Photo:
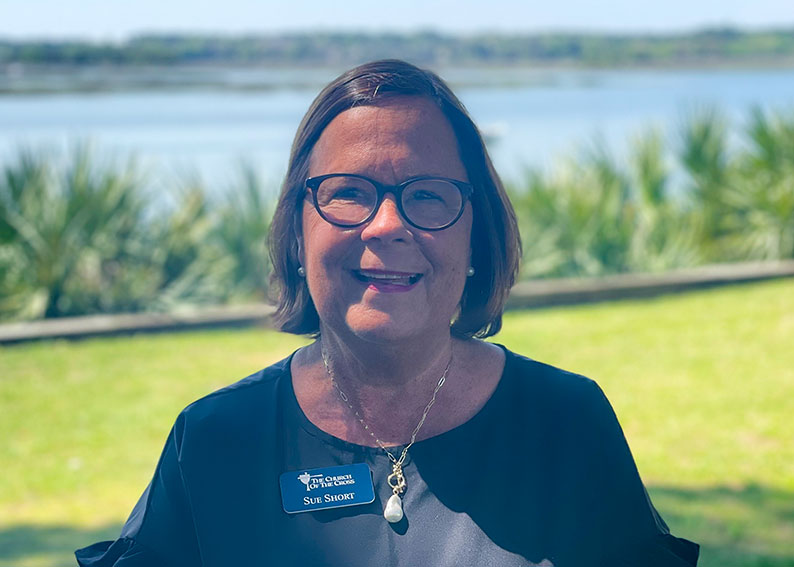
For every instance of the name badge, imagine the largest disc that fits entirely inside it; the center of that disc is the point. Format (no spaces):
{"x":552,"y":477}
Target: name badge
{"x":305,"y":490}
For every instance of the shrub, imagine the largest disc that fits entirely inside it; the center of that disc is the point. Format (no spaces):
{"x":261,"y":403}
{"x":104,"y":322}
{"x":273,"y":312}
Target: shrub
{"x":88,"y":240}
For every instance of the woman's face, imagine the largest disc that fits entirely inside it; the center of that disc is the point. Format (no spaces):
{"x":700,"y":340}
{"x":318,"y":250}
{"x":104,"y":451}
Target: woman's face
{"x":386,"y":280}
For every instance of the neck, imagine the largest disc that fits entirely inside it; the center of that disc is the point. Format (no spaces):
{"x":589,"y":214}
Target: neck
{"x":389,"y":387}
{"x":385,"y":366}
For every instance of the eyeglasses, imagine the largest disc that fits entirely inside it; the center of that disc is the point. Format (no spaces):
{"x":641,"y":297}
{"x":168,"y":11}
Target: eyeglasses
{"x":427,"y":203}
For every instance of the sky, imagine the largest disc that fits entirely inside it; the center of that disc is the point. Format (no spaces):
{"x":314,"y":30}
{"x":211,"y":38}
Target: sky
{"x":118,"y":19}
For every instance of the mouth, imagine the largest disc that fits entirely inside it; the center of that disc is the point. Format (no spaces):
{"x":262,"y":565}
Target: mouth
{"x":384,"y":280}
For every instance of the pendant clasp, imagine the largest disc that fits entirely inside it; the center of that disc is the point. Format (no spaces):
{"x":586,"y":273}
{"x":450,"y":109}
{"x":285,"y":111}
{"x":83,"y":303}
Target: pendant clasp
{"x":396,"y":479}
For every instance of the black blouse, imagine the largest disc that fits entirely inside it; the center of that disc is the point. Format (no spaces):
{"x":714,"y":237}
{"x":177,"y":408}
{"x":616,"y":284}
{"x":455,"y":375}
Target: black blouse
{"x":542,"y":475}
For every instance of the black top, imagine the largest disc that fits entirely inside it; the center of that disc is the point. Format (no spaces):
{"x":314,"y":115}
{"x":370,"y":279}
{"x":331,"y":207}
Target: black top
{"x":542,"y":475}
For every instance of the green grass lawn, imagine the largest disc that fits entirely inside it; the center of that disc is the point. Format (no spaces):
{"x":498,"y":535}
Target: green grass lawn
{"x":703,"y":384}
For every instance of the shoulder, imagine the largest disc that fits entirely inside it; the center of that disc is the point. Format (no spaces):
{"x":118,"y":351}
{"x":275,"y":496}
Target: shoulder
{"x":548,"y":382}
{"x":555,"y":400}
{"x":237,"y":406}
{"x":566,"y":413}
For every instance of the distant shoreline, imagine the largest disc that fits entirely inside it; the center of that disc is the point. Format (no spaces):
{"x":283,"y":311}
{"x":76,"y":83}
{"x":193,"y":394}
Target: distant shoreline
{"x":310,"y":59}
{"x":47,"y":79}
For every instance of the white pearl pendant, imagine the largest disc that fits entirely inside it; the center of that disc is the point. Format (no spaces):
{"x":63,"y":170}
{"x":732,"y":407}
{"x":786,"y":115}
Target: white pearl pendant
{"x":394,"y":509}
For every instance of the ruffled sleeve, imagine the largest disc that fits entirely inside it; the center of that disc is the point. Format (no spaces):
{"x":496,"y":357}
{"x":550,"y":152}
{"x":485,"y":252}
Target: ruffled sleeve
{"x":663,"y":550}
{"x":160,"y":530}
{"x":124,"y":552}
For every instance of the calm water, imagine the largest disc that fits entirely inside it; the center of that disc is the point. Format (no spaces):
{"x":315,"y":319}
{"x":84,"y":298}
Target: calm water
{"x":532,"y":117}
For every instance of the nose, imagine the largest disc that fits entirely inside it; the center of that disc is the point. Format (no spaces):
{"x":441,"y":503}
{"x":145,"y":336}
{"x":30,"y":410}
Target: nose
{"x":387,"y":225}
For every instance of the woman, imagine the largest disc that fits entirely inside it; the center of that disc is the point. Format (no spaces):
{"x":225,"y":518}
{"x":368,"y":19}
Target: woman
{"x":397,"y":437}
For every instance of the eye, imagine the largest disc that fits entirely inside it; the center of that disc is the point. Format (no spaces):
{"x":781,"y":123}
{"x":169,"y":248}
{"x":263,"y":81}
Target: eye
{"x":425,"y":195}
{"x":345,"y":190}
{"x":348,"y":194}
{"x":432,"y":193}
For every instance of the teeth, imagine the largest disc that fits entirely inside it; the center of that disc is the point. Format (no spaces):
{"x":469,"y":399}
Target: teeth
{"x":385,"y":277}
{"x":406,"y":279}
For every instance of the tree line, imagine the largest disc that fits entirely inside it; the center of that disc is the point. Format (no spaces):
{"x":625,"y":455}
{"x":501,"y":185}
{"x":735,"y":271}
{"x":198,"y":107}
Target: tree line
{"x":707,"y":46}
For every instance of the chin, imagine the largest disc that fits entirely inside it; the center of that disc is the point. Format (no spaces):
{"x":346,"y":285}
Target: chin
{"x":380,"y":327}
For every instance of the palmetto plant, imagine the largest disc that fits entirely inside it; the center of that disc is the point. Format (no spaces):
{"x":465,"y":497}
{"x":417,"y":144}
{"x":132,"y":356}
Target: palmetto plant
{"x":241,"y":230}
{"x":744,"y":198}
{"x":665,"y":230}
{"x":573,"y":221}
{"x":760,"y":203}
{"x":212,"y":250}
{"x":705,"y":159}
{"x":87,"y":240}
{"x":63,"y":233}
{"x":593,"y":217}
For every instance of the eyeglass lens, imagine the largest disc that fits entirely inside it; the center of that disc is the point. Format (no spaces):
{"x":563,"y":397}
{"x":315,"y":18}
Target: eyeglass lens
{"x":427,"y":203}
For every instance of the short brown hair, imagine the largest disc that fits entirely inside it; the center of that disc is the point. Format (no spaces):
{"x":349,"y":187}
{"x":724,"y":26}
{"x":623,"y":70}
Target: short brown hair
{"x":495,"y":241}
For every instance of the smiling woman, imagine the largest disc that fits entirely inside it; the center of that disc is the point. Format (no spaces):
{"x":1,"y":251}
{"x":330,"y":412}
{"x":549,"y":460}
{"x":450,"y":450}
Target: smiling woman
{"x":397,"y":437}
{"x":385,"y":279}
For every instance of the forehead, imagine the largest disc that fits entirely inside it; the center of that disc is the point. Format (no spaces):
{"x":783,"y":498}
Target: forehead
{"x":400,"y":137}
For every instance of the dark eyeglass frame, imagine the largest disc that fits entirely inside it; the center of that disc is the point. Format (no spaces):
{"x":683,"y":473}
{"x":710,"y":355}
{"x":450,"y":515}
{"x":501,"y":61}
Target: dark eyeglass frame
{"x":466,"y":189}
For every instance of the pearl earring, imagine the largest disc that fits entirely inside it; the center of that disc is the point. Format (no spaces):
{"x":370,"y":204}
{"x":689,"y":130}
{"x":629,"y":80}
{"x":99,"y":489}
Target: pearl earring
{"x":301,"y":271}
{"x":470,"y":272}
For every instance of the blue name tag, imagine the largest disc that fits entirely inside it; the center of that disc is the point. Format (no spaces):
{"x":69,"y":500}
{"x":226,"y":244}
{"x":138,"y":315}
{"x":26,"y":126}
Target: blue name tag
{"x":305,"y":490}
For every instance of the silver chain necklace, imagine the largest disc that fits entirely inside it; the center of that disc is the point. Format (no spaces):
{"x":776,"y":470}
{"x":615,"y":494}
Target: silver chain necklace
{"x":393,"y":512}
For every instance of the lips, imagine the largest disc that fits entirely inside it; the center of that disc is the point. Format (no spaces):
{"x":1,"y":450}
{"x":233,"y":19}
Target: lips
{"x":387,"y":279}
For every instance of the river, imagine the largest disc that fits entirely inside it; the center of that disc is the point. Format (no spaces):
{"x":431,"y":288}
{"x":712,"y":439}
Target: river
{"x":531,"y":117}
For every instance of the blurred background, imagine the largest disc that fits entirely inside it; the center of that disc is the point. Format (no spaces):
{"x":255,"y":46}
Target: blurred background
{"x":142,"y":146}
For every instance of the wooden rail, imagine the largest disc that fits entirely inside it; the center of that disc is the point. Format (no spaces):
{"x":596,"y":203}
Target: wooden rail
{"x":525,"y":295}
{"x":548,"y":293}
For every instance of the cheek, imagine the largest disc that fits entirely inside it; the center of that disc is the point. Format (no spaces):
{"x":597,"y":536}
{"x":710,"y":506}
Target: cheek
{"x":311,"y":240}
{"x":462,"y":240}
{"x":454,"y":259}
{"x":302,"y":237}
{"x":324,"y":247}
